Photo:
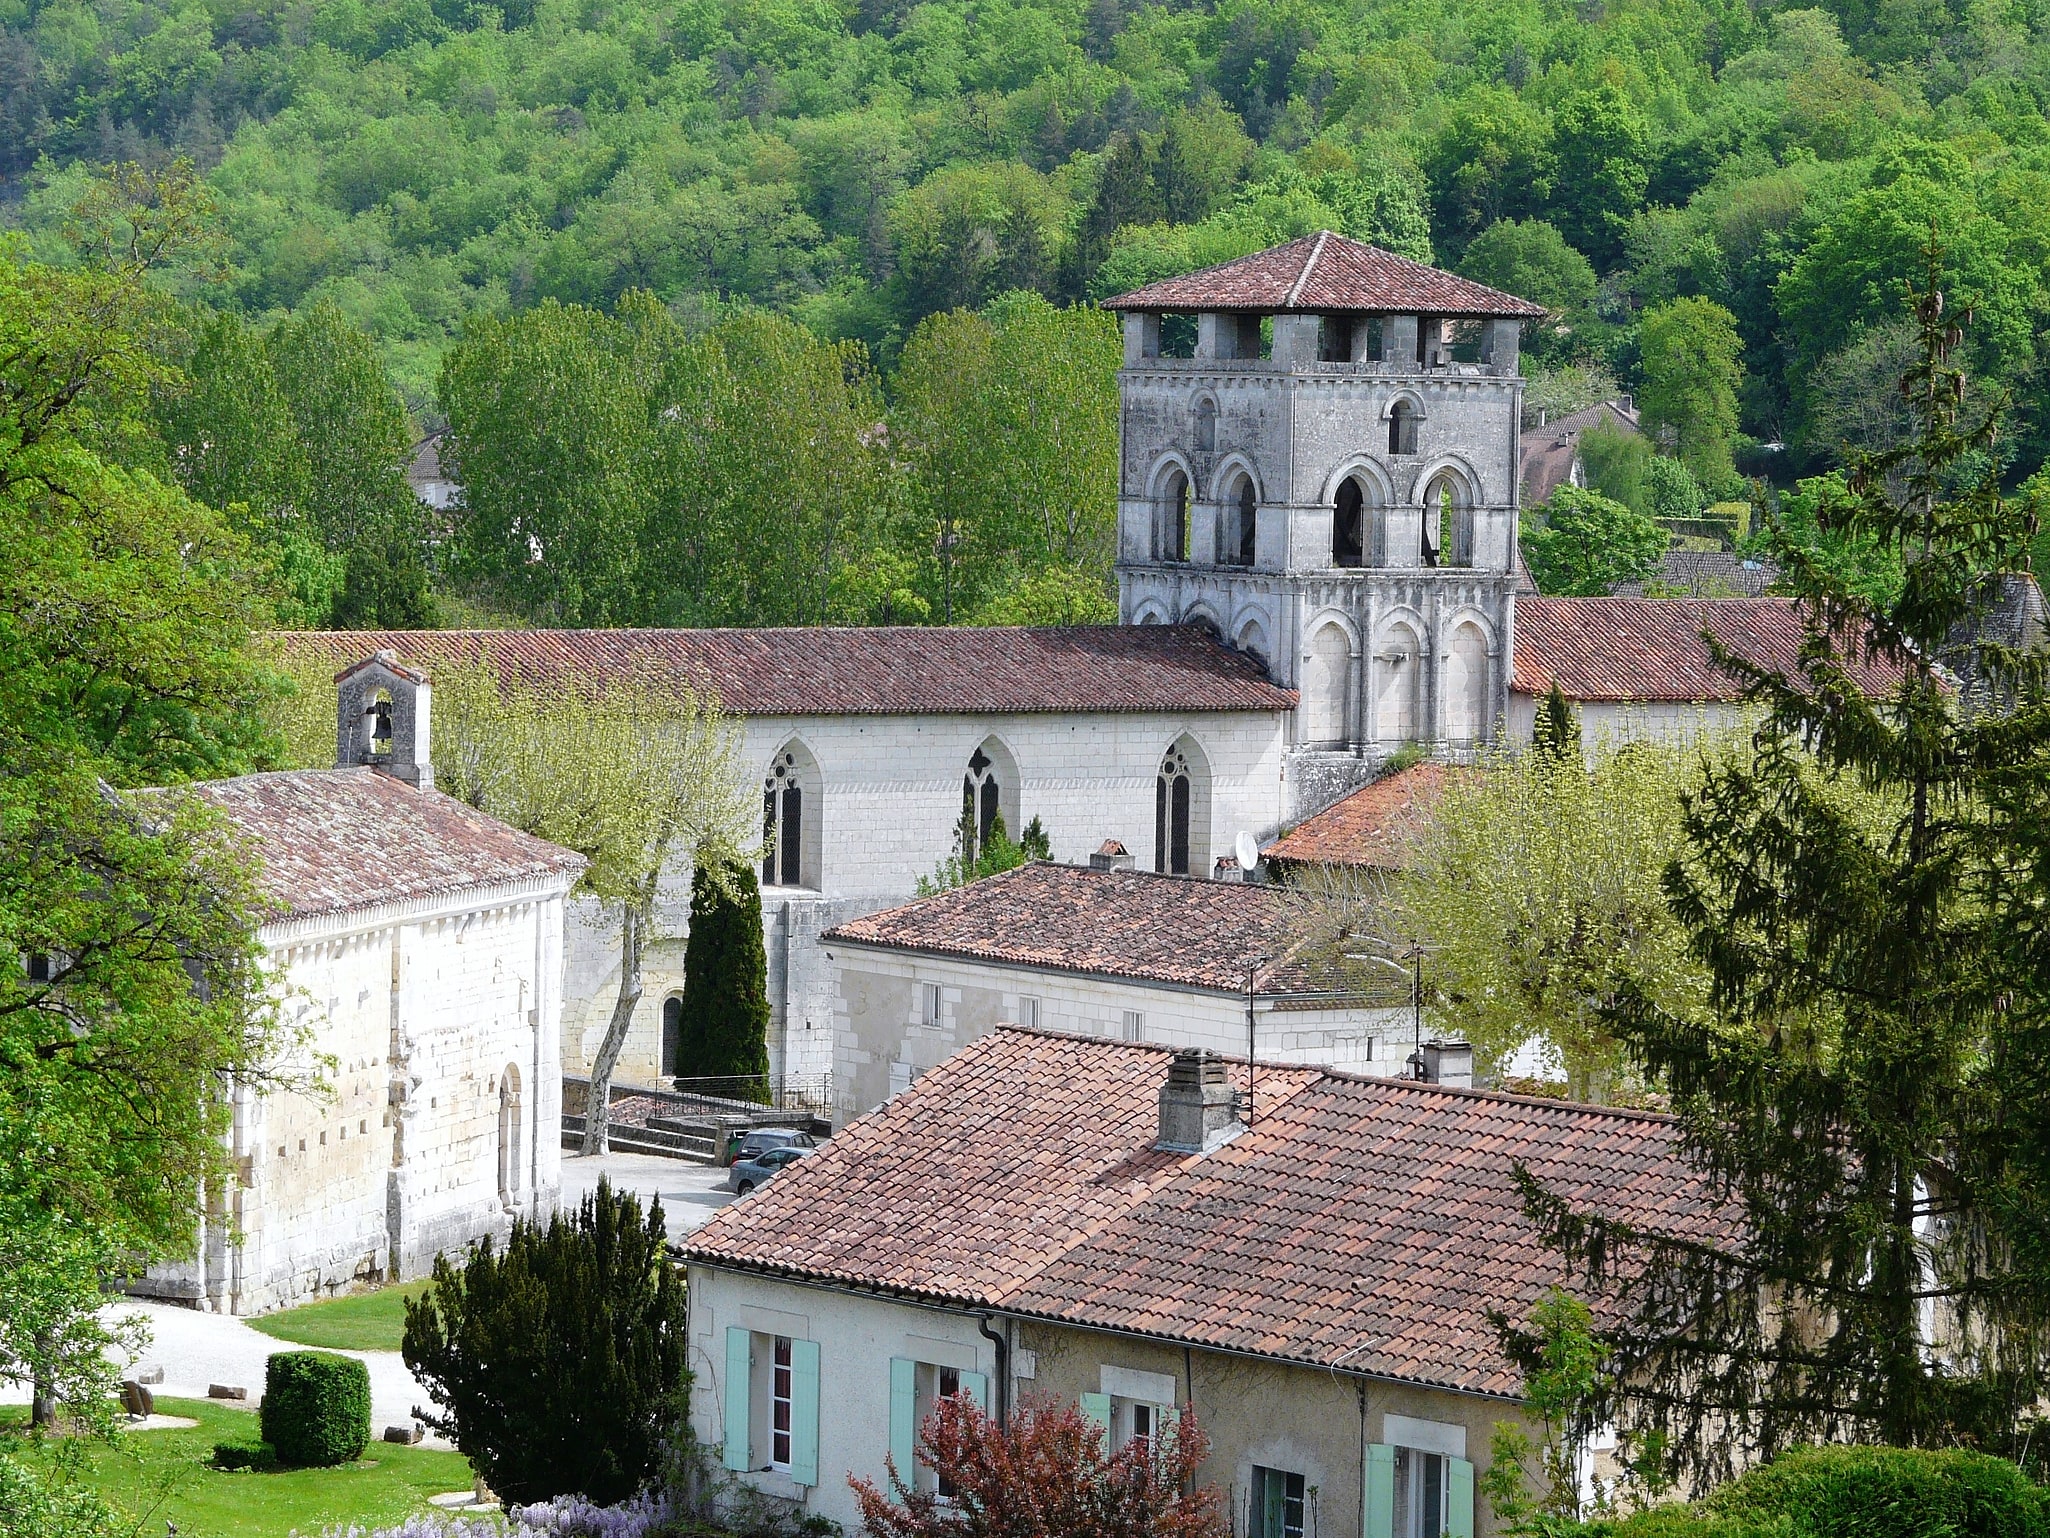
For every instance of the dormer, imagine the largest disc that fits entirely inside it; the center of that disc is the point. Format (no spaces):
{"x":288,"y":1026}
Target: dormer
{"x":382,"y":719}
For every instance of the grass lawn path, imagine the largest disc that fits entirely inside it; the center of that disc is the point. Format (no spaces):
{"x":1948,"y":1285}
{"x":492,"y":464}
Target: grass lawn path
{"x":363,"y":1321}
{"x":163,"y":1476}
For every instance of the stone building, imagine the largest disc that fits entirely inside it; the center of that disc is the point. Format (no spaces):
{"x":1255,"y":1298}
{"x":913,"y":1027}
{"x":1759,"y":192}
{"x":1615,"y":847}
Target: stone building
{"x":1100,"y":950}
{"x":1314,"y":1261}
{"x":417,"y":946}
{"x":1329,"y":481}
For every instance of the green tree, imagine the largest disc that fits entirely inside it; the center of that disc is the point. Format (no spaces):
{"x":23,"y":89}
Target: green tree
{"x":125,"y":613}
{"x":725,"y":1032}
{"x":1581,"y":544}
{"x":1692,"y":369}
{"x":1530,"y":259}
{"x":1671,"y":489}
{"x":1869,"y":921}
{"x":1616,"y":461}
{"x":1491,"y":159}
{"x":1564,"y":1391}
{"x":560,"y":1365}
{"x":1602,"y":152}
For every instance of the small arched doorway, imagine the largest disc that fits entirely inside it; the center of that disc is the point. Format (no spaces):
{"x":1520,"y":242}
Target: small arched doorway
{"x":672,"y":1036}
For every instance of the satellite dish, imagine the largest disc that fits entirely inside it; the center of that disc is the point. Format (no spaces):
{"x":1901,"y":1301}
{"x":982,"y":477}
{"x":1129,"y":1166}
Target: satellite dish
{"x":1247,"y":849}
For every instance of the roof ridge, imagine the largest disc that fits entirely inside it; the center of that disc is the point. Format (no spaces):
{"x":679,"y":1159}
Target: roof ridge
{"x":1295,"y":289}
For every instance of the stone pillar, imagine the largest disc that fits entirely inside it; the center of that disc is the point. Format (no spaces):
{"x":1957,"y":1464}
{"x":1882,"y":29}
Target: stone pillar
{"x":1399,"y":340}
{"x":1142,"y":337}
{"x":1296,"y":340}
{"x":1499,"y":346}
{"x":1215,"y":334}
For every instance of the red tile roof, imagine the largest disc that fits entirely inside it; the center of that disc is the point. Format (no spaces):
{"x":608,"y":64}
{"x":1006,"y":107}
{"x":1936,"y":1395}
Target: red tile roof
{"x":1371,"y":827}
{"x":1547,"y":453}
{"x":1114,"y":923}
{"x":856,"y":672}
{"x":330,"y":840}
{"x":1362,"y":1225}
{"x":1650,"y":649}
{"x":1326,"y":272}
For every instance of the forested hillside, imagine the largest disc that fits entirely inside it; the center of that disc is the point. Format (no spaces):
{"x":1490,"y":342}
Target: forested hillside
{"x":413,"y":168}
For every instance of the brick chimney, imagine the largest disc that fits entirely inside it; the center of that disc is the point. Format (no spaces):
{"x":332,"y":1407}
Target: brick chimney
{"x":1112,"y":856}
{"x":1448,"y":1062}
{"x":1198,"y":1111}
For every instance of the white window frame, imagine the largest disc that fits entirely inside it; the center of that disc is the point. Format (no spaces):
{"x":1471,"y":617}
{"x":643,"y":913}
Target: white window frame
{"x":1133,"y":1026}
{"x":931,"y":1004}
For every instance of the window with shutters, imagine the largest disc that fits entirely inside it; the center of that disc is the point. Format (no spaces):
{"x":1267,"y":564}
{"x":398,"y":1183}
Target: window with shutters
{"x":1278,"y":1504}
{"x":1419,"y":1494}
{"x":771,"y":1405}
{"x":779,"y":1407}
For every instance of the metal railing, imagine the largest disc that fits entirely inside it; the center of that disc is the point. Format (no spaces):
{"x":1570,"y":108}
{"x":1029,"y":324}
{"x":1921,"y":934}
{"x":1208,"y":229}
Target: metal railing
{"x":746,"y":1095}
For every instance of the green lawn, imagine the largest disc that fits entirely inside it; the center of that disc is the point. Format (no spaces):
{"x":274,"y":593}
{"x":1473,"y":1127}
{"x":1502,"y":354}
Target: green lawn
{"x":364,"y":1321}
{"x":163,"y":1476}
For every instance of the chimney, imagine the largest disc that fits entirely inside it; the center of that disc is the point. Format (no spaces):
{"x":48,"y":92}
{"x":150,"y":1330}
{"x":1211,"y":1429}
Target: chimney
{"x":1227,"y":869}
{"x":1112,"y":856}
{"x":1198,"y":1111}
{"x":382,"y":718}
{"x":1448,"y":1062}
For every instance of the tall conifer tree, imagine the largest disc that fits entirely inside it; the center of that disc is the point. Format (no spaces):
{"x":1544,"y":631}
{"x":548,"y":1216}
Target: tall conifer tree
{"x":726,"y":979}
{"x":1868,"y":1086}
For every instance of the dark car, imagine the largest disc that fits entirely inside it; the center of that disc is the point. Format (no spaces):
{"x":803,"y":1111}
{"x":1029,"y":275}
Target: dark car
{"x":762,"y":1139}
{"x":749,"y":1172}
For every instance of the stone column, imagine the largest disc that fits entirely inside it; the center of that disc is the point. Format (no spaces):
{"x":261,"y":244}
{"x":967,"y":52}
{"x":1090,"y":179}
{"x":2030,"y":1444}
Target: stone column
{"x":1142,"y":337}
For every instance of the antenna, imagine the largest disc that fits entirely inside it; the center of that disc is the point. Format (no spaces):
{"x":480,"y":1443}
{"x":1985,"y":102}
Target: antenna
{"x":1247,"y":848}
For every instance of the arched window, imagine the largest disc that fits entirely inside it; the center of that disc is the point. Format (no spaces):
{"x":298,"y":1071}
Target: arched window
{"x":1402,"y":428}
{"x":377,"y":724}
{"x":1243,"y":528}
{"x":509,"y":1136}
{"x":783,"y":823}
{"x":1466,"y":684}
{"x":1398,"y":695}
{"x":1173,"y":513}
{"x":1206,"y":426}
{"x":1448,"y":523}
{"x":1327,"y":672}
{"x":672,"y":1036}
{"x":989,"y":791}
{"x":1348,"y":530}
{"x":1172,"y":794}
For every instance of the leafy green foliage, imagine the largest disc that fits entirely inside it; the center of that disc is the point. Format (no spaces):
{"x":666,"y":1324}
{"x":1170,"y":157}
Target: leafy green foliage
{"x":726,"y":981}
{"x":1863,"y":890}
{"x":973,"y":858}
{"x":1691,"y":373}
{"x":316,"y":1408}
{"x":559,"y":1365}
{"x":1528,"y":1477}
{"x":49,"y":1498}
{"x":1583,"y":544}
{"x":1617,"y":462}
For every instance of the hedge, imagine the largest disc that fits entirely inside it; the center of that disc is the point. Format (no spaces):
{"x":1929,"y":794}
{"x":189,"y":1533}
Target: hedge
{"x":316,"y":1408}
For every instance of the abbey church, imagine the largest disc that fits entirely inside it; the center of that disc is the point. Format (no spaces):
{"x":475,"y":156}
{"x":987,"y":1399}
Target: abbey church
{"x":1317,"y":565}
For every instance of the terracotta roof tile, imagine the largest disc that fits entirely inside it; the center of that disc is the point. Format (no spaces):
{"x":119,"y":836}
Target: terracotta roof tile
{"x":1115,"y":923}
{"x":1371,"y":827}
{"x":1363,"y":1224}
{"x":334,"y":839}
{"x":876,"y":671}
{"x":1650,"y":649}
{"x":1326,"y":272}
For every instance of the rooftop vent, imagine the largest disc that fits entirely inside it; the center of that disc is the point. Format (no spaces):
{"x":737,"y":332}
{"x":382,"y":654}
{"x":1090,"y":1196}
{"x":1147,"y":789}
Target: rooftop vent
{"x":1447,"y":1062}
{"x":1198,"y":1111}
{"x":1112,"y":856}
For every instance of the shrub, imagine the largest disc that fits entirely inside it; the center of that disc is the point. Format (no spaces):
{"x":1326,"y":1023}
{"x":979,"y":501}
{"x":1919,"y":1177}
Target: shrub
{"x":49,"y":1499}
{"x":235,"y":1455}
{"x":558,"y":1366}
{"x":316,"y":1408}
{"x":1891,"y":1492}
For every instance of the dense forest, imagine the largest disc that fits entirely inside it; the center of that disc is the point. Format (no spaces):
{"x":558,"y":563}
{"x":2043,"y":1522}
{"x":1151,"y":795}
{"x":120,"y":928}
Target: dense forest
{"x":672,"y":234}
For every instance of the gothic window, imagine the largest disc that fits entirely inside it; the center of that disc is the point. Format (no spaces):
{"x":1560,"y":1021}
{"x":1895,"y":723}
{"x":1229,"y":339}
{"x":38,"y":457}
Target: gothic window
{"x":1206,"y":426}
{"x":672,"y":1036}
{"x":1327,"y":672}
{"x":1171,"y":797}
{"x":1173,"y":542}
{"x":1348,"y":525}
{"x":1244,"y":526}
{"x":783,"y":823}
{"x":1402,"y":428}
{"x":1466,"y":684}
{"x":982,"y":800}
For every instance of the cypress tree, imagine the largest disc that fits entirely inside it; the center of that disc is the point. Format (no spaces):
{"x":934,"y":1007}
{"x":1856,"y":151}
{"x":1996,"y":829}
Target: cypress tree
{"x":725,"y":1029}
{"x":1869,"y":1078}
{"x":1556,"y":733}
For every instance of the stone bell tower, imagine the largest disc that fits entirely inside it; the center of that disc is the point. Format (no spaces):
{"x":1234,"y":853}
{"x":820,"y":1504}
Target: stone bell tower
{"x":1319,"y":461}
{"x":382,"y":711}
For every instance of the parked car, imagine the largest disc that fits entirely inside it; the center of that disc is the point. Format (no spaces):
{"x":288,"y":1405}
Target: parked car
{"x":747,"y":1144}
{"x":751,"y":1171}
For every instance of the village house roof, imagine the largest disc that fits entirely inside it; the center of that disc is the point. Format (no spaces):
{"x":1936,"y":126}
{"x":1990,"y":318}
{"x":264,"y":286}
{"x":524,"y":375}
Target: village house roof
{"x":876,"y":671}
{"x":1327,"y":272}
{"x":331,"y":840}
{"x":1708,"y":574}
{"x":1650,"y":649}
{"x":1369,"y":829}
{"x":1362,"y":1225}
{"x":1177,"y":930}
{"x":1548,"y":451}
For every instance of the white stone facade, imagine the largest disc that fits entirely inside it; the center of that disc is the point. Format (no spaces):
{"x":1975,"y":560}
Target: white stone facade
{"x":887,"y":1031}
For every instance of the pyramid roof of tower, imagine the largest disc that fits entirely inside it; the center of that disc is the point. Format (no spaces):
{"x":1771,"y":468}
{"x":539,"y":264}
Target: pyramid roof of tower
{"x":1326,"y":272}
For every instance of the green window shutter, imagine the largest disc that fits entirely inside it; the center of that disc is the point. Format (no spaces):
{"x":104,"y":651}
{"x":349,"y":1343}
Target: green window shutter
{"x":739,"y":1368}
{"x":804,"y":1412}
{"x":1096,"y":1407}
{"x":1458,"y":1498}
{"x":904,"y":1417}
{"x":975,"y":1387}
{"x":1377,"y":1511}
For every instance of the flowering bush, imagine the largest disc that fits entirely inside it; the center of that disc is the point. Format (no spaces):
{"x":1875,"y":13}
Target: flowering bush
{"x":647,"y":1515}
